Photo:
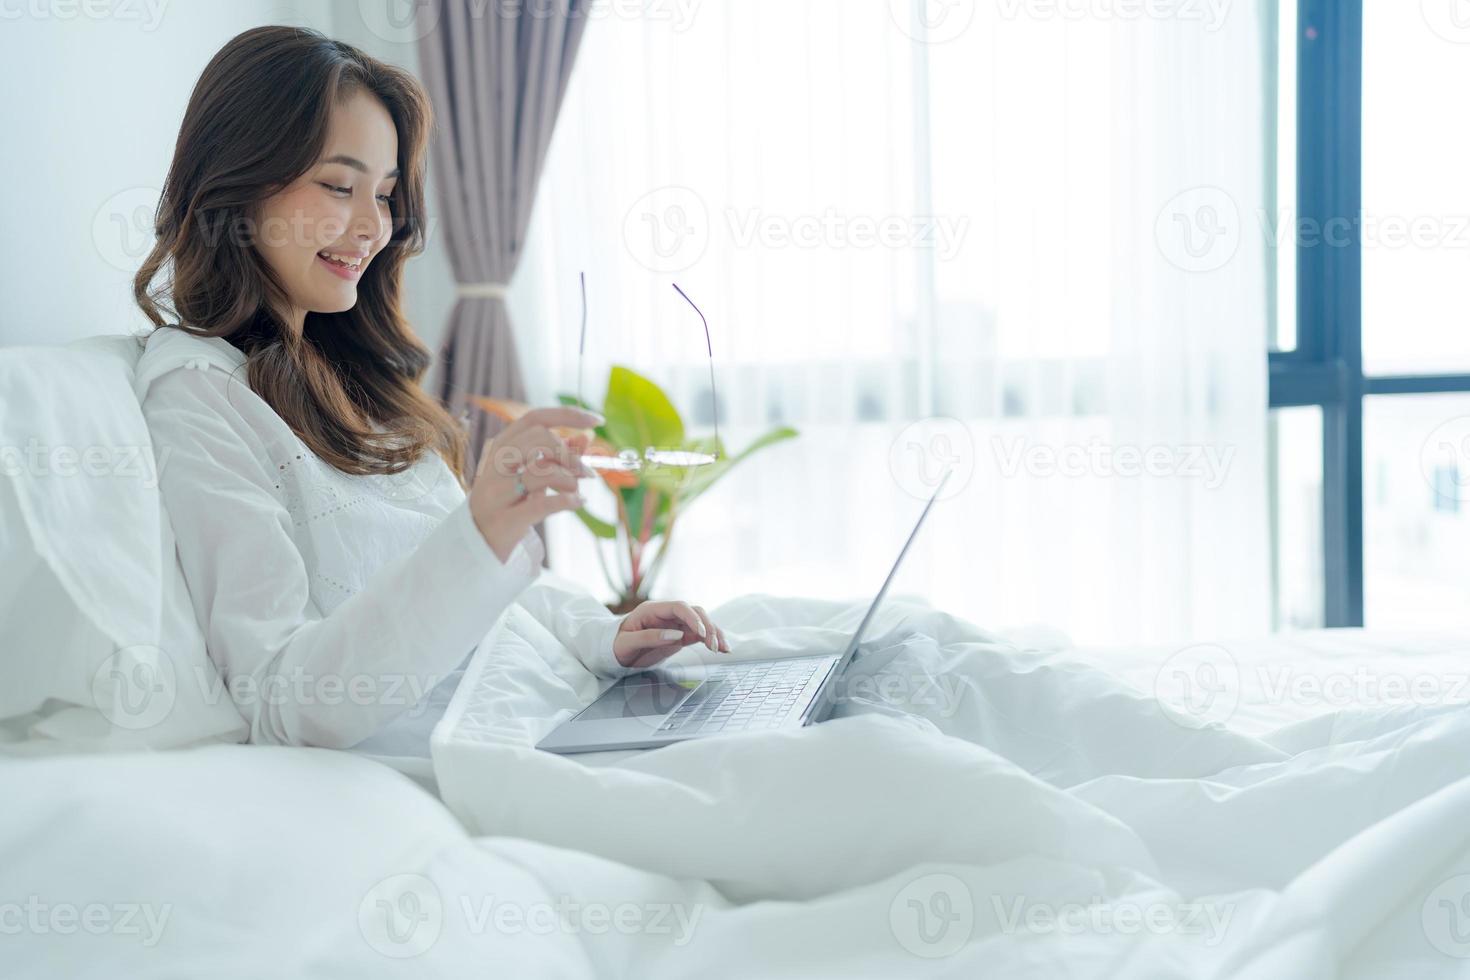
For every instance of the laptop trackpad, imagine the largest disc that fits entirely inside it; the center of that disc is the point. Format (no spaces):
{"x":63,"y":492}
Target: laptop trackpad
{"x":639,"y":696}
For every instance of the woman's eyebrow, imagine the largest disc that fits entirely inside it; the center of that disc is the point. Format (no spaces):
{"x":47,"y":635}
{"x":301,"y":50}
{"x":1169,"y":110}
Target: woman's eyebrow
{"x":357,"y":164}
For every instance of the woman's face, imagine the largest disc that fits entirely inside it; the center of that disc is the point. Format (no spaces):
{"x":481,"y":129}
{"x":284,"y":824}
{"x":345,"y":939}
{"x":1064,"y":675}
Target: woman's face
{"x":319,"y":234}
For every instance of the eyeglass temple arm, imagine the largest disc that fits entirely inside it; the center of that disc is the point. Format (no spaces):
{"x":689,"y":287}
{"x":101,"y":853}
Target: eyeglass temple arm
{"x":582,"y":343}
{"x":709,"y":348}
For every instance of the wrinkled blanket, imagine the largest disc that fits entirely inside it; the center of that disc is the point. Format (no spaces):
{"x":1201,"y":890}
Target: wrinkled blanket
{"x":978,"y":807}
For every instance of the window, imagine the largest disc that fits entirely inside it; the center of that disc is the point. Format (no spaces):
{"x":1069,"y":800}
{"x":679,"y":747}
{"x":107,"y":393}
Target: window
{"x":1371,"y":276}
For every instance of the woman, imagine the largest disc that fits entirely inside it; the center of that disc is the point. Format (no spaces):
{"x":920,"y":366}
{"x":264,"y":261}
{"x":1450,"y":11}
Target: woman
{"x":341,"y":565}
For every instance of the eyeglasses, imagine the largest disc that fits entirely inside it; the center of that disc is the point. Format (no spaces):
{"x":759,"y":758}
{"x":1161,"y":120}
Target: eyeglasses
{"x":631,"y":459}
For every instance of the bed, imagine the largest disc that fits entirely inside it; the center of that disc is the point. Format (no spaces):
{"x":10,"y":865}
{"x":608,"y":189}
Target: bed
{"x":867,"y":846}
{"x":982,"y":804}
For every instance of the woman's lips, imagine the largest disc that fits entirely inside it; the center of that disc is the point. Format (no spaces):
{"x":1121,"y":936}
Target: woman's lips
{"x":341,"y":271}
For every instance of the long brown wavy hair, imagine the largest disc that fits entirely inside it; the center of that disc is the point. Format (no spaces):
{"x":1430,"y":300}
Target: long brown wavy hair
{"x":349,"y":385}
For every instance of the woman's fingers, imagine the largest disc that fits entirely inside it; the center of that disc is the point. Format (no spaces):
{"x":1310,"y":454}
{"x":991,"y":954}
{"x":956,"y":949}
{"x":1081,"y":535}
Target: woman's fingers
{"x":680,"y":612}
{"x":712,"y":637}
{"x":694,"y":618}
{"x":527,"y":456}
{"x":644,"y":648}
{"x":556,"y":479}
{"x":539,"y":506}
{"x":533,"y":430}
{"x":537,"y":450}
{"x":564,"y":415}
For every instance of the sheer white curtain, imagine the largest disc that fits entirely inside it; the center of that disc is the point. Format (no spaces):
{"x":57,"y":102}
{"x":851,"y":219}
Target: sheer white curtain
{"x":1018,"y":236}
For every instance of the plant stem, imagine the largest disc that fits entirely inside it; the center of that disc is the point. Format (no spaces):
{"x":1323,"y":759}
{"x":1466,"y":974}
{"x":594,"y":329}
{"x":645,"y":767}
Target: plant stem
{"x":668,"y":537}
{"x":645,"y":529}
{"x":628,"y":535}
{"x":632,"y":554}
{"x":602,"y":563}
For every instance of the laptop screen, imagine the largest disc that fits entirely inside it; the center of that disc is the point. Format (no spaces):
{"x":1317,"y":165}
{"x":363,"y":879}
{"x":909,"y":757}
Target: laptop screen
{"x":857,"y":636}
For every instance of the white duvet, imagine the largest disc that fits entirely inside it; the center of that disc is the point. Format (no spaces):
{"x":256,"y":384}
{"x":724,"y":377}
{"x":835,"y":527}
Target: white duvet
{"x":975,"y":810}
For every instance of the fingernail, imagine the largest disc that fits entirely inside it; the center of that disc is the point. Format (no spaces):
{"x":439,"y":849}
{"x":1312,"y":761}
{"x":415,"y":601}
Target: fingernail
{"x":672,"y":634}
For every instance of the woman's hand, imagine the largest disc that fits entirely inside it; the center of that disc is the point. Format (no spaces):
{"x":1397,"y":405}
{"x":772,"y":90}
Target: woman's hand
{"x":527,"y":448}
{"x":655,"y":631}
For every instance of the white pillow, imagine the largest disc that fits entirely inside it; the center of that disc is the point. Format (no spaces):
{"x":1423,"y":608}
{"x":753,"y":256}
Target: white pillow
{"x":252,"y":861}
{"x":101,"y":649}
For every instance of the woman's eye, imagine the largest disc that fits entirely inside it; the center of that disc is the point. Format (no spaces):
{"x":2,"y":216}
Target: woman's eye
{"x":386,"y":198}
{"x":337,"y":190}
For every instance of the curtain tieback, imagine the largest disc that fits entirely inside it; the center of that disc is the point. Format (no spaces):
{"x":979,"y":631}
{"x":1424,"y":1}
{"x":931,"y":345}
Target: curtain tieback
{"x":480,"y":290}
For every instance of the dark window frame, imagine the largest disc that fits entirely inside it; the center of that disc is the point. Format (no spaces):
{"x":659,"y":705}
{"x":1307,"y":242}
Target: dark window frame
{"x":1326,"y":368}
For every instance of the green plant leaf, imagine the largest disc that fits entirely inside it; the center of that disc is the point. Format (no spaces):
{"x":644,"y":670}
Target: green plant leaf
{"x":705,"y":477}
{"x":661,"y":516}
{"x":639,"y":414}
{"x":600,"y":528}
{"x":633,"y":502}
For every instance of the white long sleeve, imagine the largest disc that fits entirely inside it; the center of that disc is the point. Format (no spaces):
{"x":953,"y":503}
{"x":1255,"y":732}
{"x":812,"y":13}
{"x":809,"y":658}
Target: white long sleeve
{"x":576,"y":618}
{"x":298,"y":676}
{"x":264,"y":548}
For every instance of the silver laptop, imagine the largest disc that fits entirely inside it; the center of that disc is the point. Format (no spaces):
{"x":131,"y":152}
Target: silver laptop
{"x":673,"y":704}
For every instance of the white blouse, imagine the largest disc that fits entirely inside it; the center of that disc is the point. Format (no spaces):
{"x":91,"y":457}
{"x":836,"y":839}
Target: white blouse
{"x":340,"y":609}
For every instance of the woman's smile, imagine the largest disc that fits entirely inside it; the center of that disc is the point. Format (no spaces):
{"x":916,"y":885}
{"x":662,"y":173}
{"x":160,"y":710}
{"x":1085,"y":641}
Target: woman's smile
{"x":343,"y":265}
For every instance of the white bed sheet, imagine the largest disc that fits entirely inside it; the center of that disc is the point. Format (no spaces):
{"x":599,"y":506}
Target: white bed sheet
{"x":979,"y":807}
{"x":1040,"y":824}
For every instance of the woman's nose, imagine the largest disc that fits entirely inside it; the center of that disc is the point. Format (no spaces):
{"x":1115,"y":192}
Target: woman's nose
{"x":369,"y":224}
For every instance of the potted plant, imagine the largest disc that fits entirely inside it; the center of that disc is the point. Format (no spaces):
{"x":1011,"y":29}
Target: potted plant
{"x":638,"y":415}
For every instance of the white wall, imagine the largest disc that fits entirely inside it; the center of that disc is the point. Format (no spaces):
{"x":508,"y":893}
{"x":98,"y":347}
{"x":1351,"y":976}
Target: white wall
{"x":95,"y":93}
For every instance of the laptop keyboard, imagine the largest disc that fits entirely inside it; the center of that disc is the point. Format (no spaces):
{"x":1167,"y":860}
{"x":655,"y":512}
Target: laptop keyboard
{"x":737,"y":698}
